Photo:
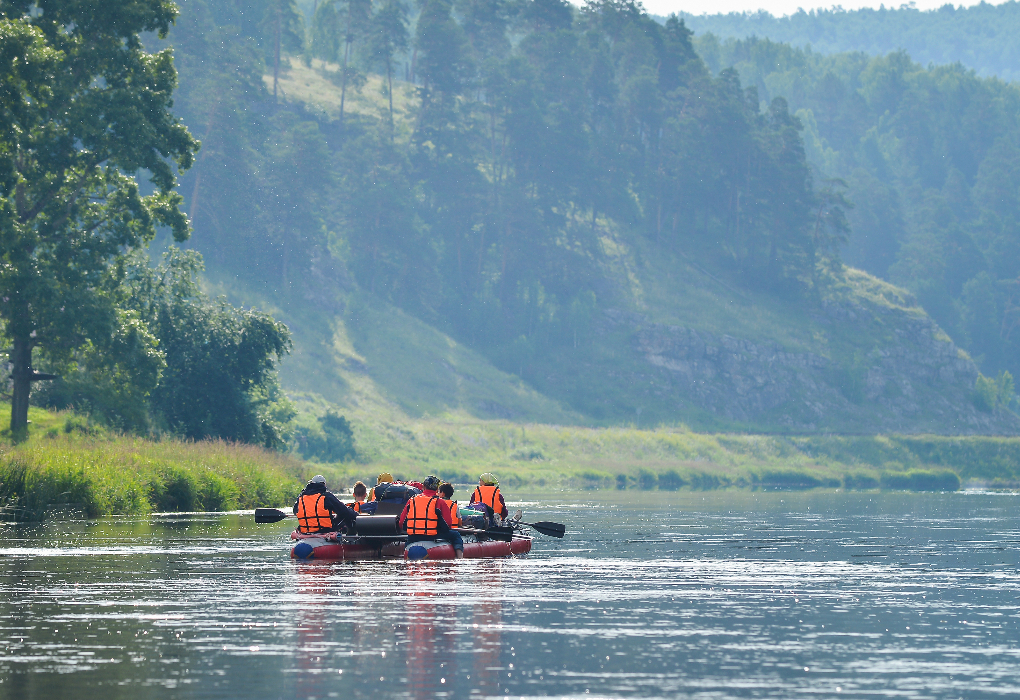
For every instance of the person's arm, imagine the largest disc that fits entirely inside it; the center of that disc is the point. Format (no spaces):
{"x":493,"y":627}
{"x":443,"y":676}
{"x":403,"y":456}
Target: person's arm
{"x":403,"y":516}
{"x":473,"y":497}
{"x":335,"y":505}
{"x":296,"y":504}
{"x":443,"y":511}
{"x":502,"y":505}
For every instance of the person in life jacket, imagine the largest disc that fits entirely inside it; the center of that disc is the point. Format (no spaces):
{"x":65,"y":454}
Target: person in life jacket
{"x":381,"y":482}
{"x":427,"y":517}
{"x":446,"y":493}
{"x":318,"y":510}
{"x":489,"y":496}
{"x":360,"y":494}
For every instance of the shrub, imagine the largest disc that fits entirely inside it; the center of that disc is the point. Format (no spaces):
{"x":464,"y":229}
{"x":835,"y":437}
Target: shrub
{"x":922,"y":480}
{"x":647,"y":480}
{"x":706,"y":482}
{"x":335,"y":442}
{"x":594,"y":479}
{"x":794,"y":480}
{"x":859,"y":482}
{"x":671,"y":480}
{"x":621,"y":481}
{"x":990,"y":393}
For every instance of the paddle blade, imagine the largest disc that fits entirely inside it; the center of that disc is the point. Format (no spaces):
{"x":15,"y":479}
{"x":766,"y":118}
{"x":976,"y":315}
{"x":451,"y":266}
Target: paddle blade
{"x":269,"y":515}
{"x":551,"y":529}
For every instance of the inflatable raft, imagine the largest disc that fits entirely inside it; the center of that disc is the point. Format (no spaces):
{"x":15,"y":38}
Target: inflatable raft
{"x":376,"y":538}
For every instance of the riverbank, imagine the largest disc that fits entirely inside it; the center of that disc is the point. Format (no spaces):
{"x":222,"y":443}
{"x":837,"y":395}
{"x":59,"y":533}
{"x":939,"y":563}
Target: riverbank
{"x":672,"y":458}
{"x":69,"y":467}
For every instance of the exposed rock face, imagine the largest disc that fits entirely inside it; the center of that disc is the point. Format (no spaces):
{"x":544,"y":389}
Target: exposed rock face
{"x":918,"y":382}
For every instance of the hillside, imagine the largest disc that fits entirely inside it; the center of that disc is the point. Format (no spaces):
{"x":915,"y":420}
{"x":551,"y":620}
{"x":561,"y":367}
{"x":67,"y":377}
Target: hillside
{"x":573,"y":244}
{"x":677,"y":345}
{"x":980,"y":37}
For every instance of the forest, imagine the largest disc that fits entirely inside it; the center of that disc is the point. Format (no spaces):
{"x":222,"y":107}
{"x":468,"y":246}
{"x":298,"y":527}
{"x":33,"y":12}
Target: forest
{"x":930,"y":159}
{"x":979,"y":37}
{"x":510,"y":146}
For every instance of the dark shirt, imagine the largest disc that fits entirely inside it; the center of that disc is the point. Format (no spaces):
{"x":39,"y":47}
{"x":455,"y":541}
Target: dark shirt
{"x":342,"y":515}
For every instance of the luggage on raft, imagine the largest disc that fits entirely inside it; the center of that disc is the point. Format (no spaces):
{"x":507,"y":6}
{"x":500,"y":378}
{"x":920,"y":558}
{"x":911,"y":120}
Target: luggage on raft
{"x":391,"y":498}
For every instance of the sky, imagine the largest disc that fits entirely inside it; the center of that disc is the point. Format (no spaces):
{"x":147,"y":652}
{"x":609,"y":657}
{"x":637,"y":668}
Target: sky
{"x":775,"y":7}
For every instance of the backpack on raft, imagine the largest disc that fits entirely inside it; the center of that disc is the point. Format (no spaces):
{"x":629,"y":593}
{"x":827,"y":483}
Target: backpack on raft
{"x":392,"y":497}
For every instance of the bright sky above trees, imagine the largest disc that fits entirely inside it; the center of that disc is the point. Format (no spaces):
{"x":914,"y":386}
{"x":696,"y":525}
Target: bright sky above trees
{"x":776,"y":7}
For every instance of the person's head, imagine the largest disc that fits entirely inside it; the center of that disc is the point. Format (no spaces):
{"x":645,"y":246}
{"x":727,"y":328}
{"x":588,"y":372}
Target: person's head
{"x":488,"y":479}
{"x":360,"y":491}
{"x":431,"y":482}
{"x":446,"y":490}
{"x":384,"y":478}
{"x":316,"y":483}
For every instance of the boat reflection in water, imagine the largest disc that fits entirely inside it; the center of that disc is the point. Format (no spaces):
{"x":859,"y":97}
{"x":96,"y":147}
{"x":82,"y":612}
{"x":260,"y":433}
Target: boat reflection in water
{"x":431,"y":628}
{"x":487,"y":628}
{"x":313,"y":640}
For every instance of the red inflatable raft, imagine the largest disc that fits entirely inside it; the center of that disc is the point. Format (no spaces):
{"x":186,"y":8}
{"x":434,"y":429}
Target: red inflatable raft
{"x":376,"y":537}
{"x":331,"y":547}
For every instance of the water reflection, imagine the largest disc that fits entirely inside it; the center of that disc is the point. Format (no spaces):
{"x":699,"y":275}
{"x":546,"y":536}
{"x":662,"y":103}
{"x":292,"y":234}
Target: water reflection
{"x":487,"y":630}
{"x":692,"y":595}
{"x":430,"y":628}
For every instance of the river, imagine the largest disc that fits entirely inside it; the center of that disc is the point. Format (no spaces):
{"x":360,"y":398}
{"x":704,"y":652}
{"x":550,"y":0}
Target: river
{"x":699,"y":595}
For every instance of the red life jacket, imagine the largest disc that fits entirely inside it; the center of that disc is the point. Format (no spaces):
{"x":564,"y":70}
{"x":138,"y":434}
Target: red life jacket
{"x":423,"y":515}
{"x":312,"y":515}
{"x":488,"y":496}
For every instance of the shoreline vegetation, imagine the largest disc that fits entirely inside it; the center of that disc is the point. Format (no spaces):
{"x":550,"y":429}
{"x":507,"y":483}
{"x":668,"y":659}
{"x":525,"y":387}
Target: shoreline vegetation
{"x":70,"y":466}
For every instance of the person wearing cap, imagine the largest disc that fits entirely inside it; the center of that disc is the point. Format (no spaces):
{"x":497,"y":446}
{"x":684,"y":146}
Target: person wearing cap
{"x":318,"y":510}
{"x":488,"y":495}
{"x":384,"y":480}
{"x":427,"y":517}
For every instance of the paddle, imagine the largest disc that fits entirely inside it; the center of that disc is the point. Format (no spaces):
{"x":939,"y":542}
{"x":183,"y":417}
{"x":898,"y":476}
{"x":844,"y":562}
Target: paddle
{"x":547,"y":528}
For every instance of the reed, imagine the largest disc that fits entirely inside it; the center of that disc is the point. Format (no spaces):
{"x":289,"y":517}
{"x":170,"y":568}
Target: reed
{"x":102,"y":474}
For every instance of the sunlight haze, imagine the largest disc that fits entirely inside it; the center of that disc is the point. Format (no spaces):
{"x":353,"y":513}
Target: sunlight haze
{"x":777,"y":8}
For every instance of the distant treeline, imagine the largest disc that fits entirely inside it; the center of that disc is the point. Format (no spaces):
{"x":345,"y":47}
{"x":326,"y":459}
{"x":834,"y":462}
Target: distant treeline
{"x":981,"y":37}
{"x":932,"y":160}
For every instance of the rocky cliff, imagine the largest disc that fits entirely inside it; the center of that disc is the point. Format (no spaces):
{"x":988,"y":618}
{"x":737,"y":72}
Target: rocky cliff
{"x":915,"y":381}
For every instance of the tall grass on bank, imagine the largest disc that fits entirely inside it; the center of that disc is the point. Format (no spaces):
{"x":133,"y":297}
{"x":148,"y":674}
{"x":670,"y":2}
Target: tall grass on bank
{"x":100,"y":475}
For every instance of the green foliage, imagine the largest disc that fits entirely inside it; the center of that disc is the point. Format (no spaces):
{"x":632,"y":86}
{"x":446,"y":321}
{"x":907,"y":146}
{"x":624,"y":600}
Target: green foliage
{"x":859,"y":482}
{"x":99,"y":475}
{"x":483,"y":207}
{"x":794,"y":480}
{"x":209,"y":371}
{"x":929,"y":157}
{"x":980,"y":37}
{"x":84,"y":107}
{"x":334,"y":442}
{"x":990,"y":394}
{"x":921,"y":480}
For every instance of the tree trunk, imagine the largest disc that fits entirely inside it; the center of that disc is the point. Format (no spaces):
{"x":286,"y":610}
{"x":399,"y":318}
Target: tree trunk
{"x":21,"y":373}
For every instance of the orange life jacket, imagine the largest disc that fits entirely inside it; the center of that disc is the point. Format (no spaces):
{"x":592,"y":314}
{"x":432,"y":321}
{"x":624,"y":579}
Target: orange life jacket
{"x":423,"y":515}
{"x":454,"y":515}
{"x":312,"y":515}
{"x":356,"y":506}
{"x":488,"y":496}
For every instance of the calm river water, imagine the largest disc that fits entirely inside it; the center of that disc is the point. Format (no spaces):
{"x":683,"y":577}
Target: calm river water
{"x":727,"y":594}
